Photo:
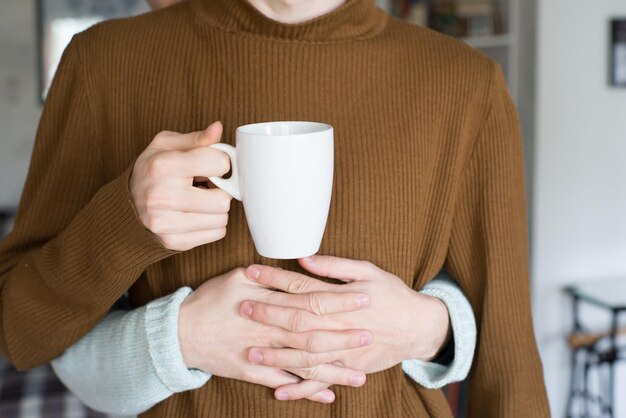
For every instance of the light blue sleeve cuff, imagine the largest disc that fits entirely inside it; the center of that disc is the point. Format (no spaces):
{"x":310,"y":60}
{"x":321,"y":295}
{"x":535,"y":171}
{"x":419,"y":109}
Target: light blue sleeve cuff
{"x":433,"y":375}
{"x":161,"y":324}
{"x":131,"y":360}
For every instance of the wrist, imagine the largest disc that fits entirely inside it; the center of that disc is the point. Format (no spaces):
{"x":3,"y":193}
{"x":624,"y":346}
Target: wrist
{"x":162,"y":334}
{"x":186,"y":334}
{"x":437,"y":332}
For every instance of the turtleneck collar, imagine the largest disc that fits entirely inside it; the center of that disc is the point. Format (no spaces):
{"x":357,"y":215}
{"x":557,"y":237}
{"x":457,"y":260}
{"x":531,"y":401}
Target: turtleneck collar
{"x":355,"y":19}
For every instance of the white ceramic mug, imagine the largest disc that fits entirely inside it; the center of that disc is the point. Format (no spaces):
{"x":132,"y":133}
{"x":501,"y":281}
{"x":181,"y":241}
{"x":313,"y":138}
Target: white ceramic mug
{"x":283,"y":174}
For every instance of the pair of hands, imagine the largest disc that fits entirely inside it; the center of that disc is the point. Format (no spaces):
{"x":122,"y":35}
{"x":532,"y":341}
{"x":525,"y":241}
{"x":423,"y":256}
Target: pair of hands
{"x":285,"y":330}
{"x":269,"y":326}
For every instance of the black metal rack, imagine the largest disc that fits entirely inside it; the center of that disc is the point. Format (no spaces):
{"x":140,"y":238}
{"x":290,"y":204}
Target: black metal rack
{"x":599,"y":353}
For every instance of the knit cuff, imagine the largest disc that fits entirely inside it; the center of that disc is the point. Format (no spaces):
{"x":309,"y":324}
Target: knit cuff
{"x":433,"y":375}
{"x":164,"y":347}
{"x":120,"y":235}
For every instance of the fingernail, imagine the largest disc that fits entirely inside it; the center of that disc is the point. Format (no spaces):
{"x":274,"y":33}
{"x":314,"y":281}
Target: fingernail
{"x":363,"y":301}
{"x":253,"y":273}
{"x":357,"y":379}
{"x":282,"y":395}
{"x":366,"y":339}
{"x":328,"y":396}
{"x":211,"y":126}
{"x":246,"y":309}
{"x":309,"y":259}
{"x":255,"y":356}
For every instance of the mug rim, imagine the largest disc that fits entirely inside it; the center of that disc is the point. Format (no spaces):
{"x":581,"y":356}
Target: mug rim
{"x":319,"y":127}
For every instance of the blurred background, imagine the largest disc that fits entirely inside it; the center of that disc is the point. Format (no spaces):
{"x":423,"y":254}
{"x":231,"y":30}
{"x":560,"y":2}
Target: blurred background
{"x":565,"y":61}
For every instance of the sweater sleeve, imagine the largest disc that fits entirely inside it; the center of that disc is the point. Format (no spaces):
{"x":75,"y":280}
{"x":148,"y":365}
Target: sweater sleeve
{"x":78,"y":244}
{"x":488,"y":256}
{"x":433,"y":375}
{"x":131,"y":360}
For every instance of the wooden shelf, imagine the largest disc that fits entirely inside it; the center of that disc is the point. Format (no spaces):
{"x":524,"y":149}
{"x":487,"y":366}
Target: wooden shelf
{"x":495,"y":41}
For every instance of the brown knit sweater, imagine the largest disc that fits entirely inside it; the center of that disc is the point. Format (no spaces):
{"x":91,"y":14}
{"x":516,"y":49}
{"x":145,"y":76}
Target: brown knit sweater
{"x":428,"y":175}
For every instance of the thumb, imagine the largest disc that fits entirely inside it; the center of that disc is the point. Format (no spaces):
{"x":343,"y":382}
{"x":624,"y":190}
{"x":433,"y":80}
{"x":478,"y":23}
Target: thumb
{"x":167,"y":140}
{"x":210,"y":136}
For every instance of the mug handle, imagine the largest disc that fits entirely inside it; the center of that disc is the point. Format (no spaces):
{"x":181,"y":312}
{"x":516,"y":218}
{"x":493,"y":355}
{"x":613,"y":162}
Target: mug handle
{"x":230,"y":185}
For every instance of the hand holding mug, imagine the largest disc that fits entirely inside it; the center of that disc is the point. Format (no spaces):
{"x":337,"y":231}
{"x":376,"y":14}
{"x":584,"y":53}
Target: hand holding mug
{"x":182,"y":216}
{"x":281,"y":171}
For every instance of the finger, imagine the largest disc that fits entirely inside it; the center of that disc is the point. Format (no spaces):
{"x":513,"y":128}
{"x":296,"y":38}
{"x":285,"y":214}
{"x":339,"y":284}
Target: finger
{"x":192,"y":200}
{"x":200,"y":162}
{"x":332,"y":374}
{"x":289,"y":358}
{"x":323,"y":341}
{"x":339,"y":268}
{"x":287,"y":281}
{"x":168,"y":140}
{"x":303,"y":390}
{"x":323,"y":396}
{"x":291,"y":319}
{"x":189,"y":240}
{"x":322,"y":303}
{"x":269,"y":377}
{"x":275,"y":378}
{"x":168,"y":222}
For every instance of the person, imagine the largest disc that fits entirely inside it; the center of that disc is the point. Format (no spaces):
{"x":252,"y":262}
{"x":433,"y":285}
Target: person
{"x":116,"y":368}
{"x":428,"y":174}
{"x":123,"y":366}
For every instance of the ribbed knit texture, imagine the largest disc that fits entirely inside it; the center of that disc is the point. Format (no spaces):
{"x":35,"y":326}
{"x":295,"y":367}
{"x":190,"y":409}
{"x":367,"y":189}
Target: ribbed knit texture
{"x":428,"y":173}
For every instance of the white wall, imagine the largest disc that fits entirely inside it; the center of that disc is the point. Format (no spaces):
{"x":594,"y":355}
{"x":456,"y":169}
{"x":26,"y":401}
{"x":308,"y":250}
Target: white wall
{"x":579,"y":202}
{"x":19,"y":105}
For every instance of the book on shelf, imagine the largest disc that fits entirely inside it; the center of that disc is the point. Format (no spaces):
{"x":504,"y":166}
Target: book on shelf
{"x":418,"y":14}
{"x":477,"y":18}
{"x":459,"y":18}
{"x":484,"y":8}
